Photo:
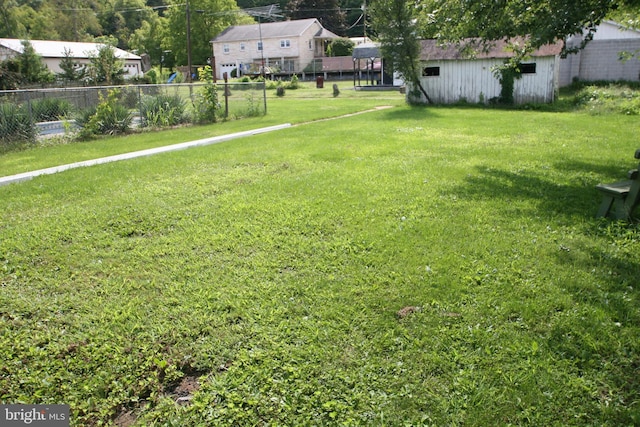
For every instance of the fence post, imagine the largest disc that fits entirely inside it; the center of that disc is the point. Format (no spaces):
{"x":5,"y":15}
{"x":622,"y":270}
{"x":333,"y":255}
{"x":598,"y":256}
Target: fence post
{"x":140,"y":105}
{"x":226,"y":94}
{"x":29,"y":106}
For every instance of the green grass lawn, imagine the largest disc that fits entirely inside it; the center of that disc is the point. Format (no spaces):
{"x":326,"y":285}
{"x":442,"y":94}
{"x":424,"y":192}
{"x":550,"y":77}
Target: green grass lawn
{"x":297,"y":106}
{"x":262,"y":281}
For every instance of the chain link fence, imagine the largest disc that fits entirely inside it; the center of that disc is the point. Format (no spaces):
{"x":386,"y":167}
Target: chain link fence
{"x":26,"y":115}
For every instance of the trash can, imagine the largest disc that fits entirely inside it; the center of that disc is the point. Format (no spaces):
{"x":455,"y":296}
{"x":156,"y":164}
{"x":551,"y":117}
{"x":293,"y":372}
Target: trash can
{"x":319,"y":82}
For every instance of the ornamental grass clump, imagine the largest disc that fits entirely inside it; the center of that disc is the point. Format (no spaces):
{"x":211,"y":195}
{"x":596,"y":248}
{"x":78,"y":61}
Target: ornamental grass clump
{"x":50,"y":109}
{"x":108,"y":118}
{"x":16,"y":125}
{"x":163,"y":111}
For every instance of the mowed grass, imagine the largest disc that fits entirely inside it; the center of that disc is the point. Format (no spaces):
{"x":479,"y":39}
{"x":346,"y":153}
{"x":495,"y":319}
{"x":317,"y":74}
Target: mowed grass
{"x":275,"y":270}
{"x":297,"y":106}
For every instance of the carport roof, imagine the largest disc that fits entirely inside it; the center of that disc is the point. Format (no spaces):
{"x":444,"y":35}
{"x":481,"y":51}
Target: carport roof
{"x":366,"y":50}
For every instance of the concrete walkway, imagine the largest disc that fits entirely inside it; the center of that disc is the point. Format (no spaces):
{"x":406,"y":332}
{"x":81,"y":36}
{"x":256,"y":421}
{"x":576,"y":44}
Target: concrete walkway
{"x":6,"y":180}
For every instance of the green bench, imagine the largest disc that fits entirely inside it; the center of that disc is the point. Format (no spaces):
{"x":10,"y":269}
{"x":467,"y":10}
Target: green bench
{"x":619,"y":199}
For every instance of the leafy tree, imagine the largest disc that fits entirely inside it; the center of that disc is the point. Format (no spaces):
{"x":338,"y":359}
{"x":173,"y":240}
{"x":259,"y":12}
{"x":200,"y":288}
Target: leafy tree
{"x":71,"y":70}
{"x":77,"y":20}
{"x":396,"y":25}
{"x":8,"y":18}
{"x":328,"y":13}
{"x":35,"y":22}
{"x":121,"y":18}
{"x":538,"y":22}
{"x":340,"y":47}
{"x":208,"y":19}
{"x":9,"y":74}
{"x":147,"y":39}
{"x":106,"y":67}
{"x":31,"y":67}
{"x":157,"y":5}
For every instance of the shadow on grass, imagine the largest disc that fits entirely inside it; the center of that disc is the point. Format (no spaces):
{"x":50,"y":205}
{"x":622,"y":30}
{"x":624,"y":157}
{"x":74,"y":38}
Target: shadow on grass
{"x":606,"y":250}
{"x":572,"y":198}
{"x":576,"y":196}
{"x":411,"y":112}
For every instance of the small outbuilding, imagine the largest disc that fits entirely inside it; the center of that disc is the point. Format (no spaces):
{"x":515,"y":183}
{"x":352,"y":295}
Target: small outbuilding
{"x":52,"y":52}
{"x":450,"y":74}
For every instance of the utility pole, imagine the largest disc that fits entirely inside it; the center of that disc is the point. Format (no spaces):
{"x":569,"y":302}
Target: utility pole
{"x":364,"y":20}
{"x":189,"y":65}
{"x":271,"y":11}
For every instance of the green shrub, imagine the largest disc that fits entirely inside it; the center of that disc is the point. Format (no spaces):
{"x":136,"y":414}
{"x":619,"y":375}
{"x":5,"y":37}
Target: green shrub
{"x":630,"y":106}
{"x":16,"y":125}
{"x":50,"y":109}
{"x":272,"y":84}
{"x":294,"y":83}
{"x":607,"y":98}
{"x":205,"y":104}
{"x":254,"y":108}
{"x":83,"y":116}
{"x":109,"y":117}
{"x":163,"y":110}
{"x":152,"y":76}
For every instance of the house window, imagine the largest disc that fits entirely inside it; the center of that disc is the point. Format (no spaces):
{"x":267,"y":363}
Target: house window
{"x":430,"y":71}
{"x":310,"y":44}
{"x":528,"y":68}
{"x":225,"y":48}
{"x":242,"y":47}
{"x":259,"y":45}
{"x":285,"y":43}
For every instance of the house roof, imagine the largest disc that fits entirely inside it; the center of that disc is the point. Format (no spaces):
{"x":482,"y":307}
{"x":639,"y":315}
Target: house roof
{"x":430,"y":50}
{"x":272,"y":30}
{"x":56,"y":49}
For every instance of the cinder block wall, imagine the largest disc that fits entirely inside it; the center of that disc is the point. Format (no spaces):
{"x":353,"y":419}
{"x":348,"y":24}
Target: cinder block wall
{"x":600,"y":60}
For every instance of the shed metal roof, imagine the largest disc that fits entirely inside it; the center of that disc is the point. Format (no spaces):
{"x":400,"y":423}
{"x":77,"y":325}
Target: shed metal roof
{"x":430,"y":50}
{"x":56,"y":49}
{"x":271,"y":30}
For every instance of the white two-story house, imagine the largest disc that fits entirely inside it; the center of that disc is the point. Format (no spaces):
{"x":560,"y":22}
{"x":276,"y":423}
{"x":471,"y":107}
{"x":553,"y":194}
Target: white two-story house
{"x":287,"y":47}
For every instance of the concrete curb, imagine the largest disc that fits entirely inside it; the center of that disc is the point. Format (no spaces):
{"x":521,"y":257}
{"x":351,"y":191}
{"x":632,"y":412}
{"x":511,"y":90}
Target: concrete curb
{"x":6,"y":180}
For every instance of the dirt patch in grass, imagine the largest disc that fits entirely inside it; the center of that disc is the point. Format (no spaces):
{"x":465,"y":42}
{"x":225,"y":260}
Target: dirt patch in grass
{"x":181,"y":393}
